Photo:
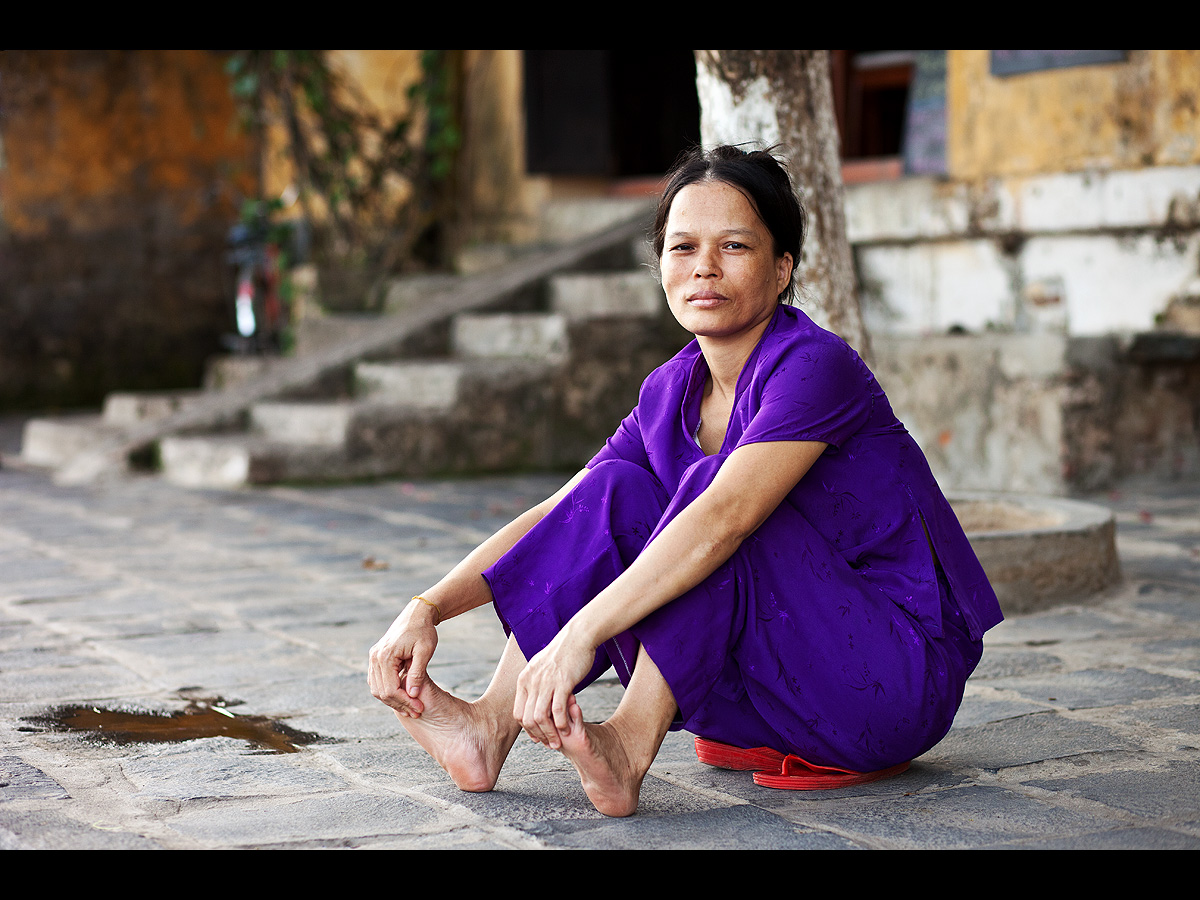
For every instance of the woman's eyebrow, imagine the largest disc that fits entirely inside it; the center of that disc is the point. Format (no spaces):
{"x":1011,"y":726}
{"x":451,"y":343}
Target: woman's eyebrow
{"x":724,"y":233}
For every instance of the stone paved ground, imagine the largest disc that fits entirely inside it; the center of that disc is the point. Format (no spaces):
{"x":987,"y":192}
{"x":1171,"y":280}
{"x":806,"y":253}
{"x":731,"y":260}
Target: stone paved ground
{"x":1081,"y":728}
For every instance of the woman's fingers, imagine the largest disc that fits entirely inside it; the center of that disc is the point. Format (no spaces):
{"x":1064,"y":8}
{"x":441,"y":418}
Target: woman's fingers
{"x":382,"y":679}
{"x":414,"y":678}
{"x":386,"y":680}
{"x":542,"y":704}
{"x":396,"y":670}
{"x":541,"y":724}
{"x":546,"y":689}
{"x":523,"y":707}
{"x":559,"y":710}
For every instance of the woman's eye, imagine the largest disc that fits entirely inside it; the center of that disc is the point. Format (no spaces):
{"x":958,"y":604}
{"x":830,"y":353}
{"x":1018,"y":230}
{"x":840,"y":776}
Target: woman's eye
{"x":735,"y":245}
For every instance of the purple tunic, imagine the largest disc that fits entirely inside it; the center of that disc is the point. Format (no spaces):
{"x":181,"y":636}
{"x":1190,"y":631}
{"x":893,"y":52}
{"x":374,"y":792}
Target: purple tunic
{"x":833,"y":632}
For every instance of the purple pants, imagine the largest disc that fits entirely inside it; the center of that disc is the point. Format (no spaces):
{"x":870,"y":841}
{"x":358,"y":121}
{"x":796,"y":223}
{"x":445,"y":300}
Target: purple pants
{"x":784,"y":646}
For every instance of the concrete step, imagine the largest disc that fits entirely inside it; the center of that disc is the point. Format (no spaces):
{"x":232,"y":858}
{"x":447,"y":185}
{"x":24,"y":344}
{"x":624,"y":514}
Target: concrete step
{"x":428,"y":390}
{"x":128,"y":408}
{"x":316,"y":333}
{"x":430,"y":384}
{"x":501,"y":420}
{"x":238,"y":460}
{"x":312,"y":424}
{"x":208,"y":462}
{"x":55,"y":441}
{"x":410,"y":291}
{"x":511,"y":336}
{"x":594,"y":295}
{"x":225,"y":372}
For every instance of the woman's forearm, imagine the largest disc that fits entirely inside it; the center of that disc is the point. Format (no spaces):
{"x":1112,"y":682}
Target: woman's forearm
{"x":688,"y":550}
{"x":701,"y":538}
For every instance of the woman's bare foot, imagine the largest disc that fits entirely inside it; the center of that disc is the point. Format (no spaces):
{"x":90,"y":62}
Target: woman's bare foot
{"x":611,"y":777}
{"x":462,"y":737}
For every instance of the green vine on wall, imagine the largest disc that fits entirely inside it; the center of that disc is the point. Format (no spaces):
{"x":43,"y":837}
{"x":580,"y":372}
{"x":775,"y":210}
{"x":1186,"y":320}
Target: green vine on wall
{"x":348,"y":160}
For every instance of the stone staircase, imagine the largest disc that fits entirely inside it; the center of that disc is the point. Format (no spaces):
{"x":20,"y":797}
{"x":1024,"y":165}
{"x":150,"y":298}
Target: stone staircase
{"x":54,"y":442}
{"x":536,"y":378}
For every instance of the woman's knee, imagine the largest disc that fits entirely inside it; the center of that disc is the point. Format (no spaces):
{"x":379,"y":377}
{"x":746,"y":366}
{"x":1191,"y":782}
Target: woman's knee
{"x":618,"y":478}
{"x":630,"y":498}
{"x":620,"y":470}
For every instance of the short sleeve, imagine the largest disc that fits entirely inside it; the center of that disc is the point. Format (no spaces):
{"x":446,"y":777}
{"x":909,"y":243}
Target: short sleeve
{"x":626,"y":443}
{"x":813,"y":391}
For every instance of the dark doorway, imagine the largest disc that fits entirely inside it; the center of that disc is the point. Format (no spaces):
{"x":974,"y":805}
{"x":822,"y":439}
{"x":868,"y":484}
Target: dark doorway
{"x":870,"y":96}
{"x":615,"y":113}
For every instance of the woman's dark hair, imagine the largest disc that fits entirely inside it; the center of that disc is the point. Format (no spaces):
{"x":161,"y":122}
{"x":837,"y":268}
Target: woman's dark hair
{"x":760,"y":177}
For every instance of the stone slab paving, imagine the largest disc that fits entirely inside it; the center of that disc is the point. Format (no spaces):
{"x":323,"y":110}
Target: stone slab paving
{"x":1081,"y":728}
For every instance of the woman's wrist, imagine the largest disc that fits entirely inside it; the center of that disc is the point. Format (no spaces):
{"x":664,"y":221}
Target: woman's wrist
{"x":421,"y":609}
{"x":581,"y":631}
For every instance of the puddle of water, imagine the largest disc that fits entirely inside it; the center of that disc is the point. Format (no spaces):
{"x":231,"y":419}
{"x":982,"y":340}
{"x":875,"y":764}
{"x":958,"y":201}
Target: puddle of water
{"x":200,"y":719}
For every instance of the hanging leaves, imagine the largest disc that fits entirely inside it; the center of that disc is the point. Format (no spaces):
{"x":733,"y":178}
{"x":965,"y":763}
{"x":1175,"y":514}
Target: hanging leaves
{"x":346,"y":158}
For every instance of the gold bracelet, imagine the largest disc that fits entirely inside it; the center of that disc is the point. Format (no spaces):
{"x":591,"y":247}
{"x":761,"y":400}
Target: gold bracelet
{"x":438,"y":620}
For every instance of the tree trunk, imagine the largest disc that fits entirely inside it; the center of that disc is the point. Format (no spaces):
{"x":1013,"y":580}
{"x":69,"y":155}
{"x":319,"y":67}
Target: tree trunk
{"x":785,"y":97}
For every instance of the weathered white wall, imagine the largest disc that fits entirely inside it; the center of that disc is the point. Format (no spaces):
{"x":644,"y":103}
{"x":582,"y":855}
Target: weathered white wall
{"x":1078,"y":253}
{"x":987,"y":410}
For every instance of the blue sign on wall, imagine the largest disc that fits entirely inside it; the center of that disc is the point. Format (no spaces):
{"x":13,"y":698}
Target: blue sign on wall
{"x":925,"y":120}
{"x":1016,"y":62}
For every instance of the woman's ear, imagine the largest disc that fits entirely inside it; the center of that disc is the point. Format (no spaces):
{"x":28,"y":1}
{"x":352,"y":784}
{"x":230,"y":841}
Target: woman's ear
{"x":783,"y":272}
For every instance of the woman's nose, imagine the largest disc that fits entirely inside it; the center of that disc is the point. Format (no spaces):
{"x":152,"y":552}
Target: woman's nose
{"x":707,"y":263}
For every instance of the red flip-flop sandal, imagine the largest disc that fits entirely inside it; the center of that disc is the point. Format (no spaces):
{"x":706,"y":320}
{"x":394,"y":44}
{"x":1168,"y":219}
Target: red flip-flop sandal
{"x":788,"y":773}
{"x":726,"y":756}
{"x":797,"y":775}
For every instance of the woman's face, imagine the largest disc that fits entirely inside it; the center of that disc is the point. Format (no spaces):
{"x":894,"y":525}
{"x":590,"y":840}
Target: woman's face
{"x":719,"y":269}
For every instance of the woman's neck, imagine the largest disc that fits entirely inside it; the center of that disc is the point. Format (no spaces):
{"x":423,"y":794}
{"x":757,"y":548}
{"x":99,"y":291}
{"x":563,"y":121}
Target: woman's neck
{"x":727,"y":356}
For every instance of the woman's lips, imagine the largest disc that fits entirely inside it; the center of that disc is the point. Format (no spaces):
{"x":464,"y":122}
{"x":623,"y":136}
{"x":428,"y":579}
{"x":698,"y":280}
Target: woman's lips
{"x":706,"y":299}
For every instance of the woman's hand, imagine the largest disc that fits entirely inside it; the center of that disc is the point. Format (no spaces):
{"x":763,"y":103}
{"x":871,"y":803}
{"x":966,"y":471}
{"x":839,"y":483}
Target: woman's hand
{"x":546,"y":688}
{"x":396,"y":672}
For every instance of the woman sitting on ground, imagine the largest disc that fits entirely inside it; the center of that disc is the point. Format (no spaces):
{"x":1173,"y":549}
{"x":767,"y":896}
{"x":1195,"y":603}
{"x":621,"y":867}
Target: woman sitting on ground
{"x":760,"y":551}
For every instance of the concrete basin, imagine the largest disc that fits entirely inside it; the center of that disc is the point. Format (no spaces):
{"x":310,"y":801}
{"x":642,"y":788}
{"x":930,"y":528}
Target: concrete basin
{"x":1040,"y":552}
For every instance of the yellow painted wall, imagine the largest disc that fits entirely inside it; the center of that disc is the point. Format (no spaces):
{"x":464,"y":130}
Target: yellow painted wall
{"x":1144,"y":111}
{"x":378,"y":80}
{"x":496,"y":201}
{"x":383,"y":76}
{"x":88,"y":130}
{"x":122,"y":172}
